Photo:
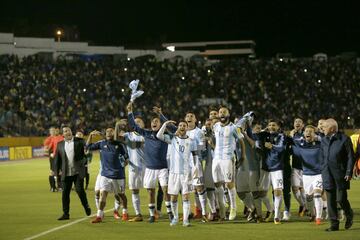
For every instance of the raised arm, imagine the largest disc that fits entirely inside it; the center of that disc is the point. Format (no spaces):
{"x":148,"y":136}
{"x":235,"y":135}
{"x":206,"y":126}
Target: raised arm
{"x":92,"y":146}
{"x":161,"y":133}
{"x":133,"y":124}
{"x":162,"y":117}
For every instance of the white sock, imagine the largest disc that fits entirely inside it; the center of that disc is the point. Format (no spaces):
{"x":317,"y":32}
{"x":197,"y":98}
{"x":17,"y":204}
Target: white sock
{"x":202,"y":198}
{"x":174,"y":209}
{"x":168,"y":206}
{"x":324,"y":203}
{"x":303,"y":196}
{"x":249,"y":201}
{"x":136,"y":203}
{"x":124,"y":210}
{"x":226,"y":196}
{"x":186,"y":210}
{"x":211,"y":200}
{"x":298,"y":198}
{"x":219,"y":191}
{"x":97,"y":201}
{"x":277,"y":205}
{"x":318,"y":205}
{"x":100,"y":213}
{"x":268,"y":206}
{"x":116,"y":205}
{"x":151,"y":209}
{"x":232,"y":197}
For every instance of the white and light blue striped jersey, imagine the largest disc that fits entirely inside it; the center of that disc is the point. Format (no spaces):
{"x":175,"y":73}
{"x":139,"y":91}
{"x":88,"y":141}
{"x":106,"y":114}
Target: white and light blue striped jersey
{"x":225,"y":138}
{"x":198,"y":135}
{"x":180,"y":154}
{"x":135,"y":147}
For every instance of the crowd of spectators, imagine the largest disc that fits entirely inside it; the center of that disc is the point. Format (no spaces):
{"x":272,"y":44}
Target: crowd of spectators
{"x":90,"y":94}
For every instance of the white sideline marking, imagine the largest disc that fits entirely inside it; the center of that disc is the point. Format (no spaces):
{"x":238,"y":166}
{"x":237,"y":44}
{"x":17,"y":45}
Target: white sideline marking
{"x":63,"y":226}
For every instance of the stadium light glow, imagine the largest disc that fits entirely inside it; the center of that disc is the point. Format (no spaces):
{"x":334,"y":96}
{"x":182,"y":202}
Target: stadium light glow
{"x":319,"y":81}
{"x":171,"y":48}
{"x":348,"y":117}
{"x":305,"y":70}
{"x":209,"y":71}
{"x":182,"y":78}
{"x":125,"y":69}
{"x":281,"y":59}
{"x":128,"y":59}
{"x":84,"y":90}
{"x":122,"y":90}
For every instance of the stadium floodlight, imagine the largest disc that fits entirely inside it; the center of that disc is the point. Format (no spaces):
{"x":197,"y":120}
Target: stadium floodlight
{"x":319,"y":81}
{"x":305,"y":70}
{"x":171,"y":48}
{"x":122,"y":90}
{"x":183,"y":78}
{"x":125,"y":69}
{"x":128,"y":59}
{"x":84,"y":90}
{"x":281,"y":59}
{"x":59,"y":33}
{"x":348,"y":117}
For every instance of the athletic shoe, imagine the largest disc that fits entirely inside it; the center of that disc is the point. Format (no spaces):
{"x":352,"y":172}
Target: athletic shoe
{"x":137,"y":218}
{"x":349,"y":220}
{"x":88,"y":211}
{"x":318,"y":221}
{"x":97,"y":220}
{"x":198,"y":214}
{"x":204,"y":219}
{"x":252,"y":216}
{"x":125,"y":217}
{"x":151,"y":219}
{"x":174,"y":222}
{"x":186,"y":224}
{"x":64,"y":217}
{"x":286,"y":216}
{"x":116,"y":214}
{"x":277,"y":221}
{"x":268,"y":216}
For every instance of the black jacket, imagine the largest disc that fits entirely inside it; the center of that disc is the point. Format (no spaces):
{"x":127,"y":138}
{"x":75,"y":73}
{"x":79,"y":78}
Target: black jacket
{"x":337,"y":161}
{"x":61,"y":159}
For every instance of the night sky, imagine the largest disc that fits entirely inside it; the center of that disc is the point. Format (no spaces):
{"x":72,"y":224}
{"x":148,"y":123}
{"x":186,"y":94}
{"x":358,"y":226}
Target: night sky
{"x":302,"y":28}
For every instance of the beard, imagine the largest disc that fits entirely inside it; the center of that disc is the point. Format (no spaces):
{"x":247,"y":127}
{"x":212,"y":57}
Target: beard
{"x":224,"y":119}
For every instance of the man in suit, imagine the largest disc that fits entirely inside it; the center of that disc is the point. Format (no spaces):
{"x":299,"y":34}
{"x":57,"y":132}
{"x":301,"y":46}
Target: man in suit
{"x":69,"y":158}
{"x":337,"y":161}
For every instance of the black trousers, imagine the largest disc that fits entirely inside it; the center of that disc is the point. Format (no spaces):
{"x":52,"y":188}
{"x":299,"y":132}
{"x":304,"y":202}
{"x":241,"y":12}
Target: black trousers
{"x":79,"y":187}
{"x":287,"y":188}
{"x":334,"y":197}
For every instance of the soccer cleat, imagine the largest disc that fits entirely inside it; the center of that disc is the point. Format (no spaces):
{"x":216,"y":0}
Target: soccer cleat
{"x":232,"y":214}
{"x":116,"y":214}
{"x":198,"y":214}
{"x":204,"y":219}
{"x":277,"y":221}
{"x":259,"y":219}
{"x":252,"y":216}
{"x":97,"y":220}
{"x":312,"y":219}
{"x":137,"y":218}
{"x":286,"y":216}
{"x":186,"y":224}
{"x":268,"y":216}
{"x":125,"y":217}
{"x":88,"y":211}
{"x":174,"y":222}
{"x":151,"y":219}
{"x":64,"y":217}
{"x":318,"y":221}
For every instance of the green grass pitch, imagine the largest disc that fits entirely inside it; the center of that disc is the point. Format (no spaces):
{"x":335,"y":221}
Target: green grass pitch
{"x":28,"y":208}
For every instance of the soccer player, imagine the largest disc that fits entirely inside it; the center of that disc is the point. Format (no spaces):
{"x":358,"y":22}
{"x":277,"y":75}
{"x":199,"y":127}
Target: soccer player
{"x":309,"y":150}
{"x":223,"y":168}
{"x":274,"y":147}
{"x":155,"y":161}
{"x":296,"y":175}
{"x":112,"y":157}
{"x":135,"y":148}
{"x":183,"y":150}
{"x":196,"y":134}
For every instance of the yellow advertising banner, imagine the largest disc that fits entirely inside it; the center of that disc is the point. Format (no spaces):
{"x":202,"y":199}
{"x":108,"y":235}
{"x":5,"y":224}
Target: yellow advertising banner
{"x":17,"y":153}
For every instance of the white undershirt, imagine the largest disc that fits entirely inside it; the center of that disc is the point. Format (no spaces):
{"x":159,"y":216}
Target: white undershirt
{"x":70,"y":153}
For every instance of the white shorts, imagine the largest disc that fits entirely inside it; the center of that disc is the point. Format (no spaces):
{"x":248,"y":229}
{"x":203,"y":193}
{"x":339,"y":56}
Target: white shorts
{"x":312,"y":182}
{"x":208,"y":178}
{"x":97,"y":183}
{"x":179,"y":182}
{"x":264,"y":180}
{"x":136,"y":179}
{"x":197,"y":174}
{"x":242,"y":180}
{"x":112,"y":185}
{"x":277,"y":179}
{"x":151,"y":175}
{"x":297,"y":178}
{"x":223,"y":171}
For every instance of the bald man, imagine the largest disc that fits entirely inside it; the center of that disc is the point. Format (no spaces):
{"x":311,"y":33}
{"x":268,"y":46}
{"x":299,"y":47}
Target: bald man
{"x":337,"y":161}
